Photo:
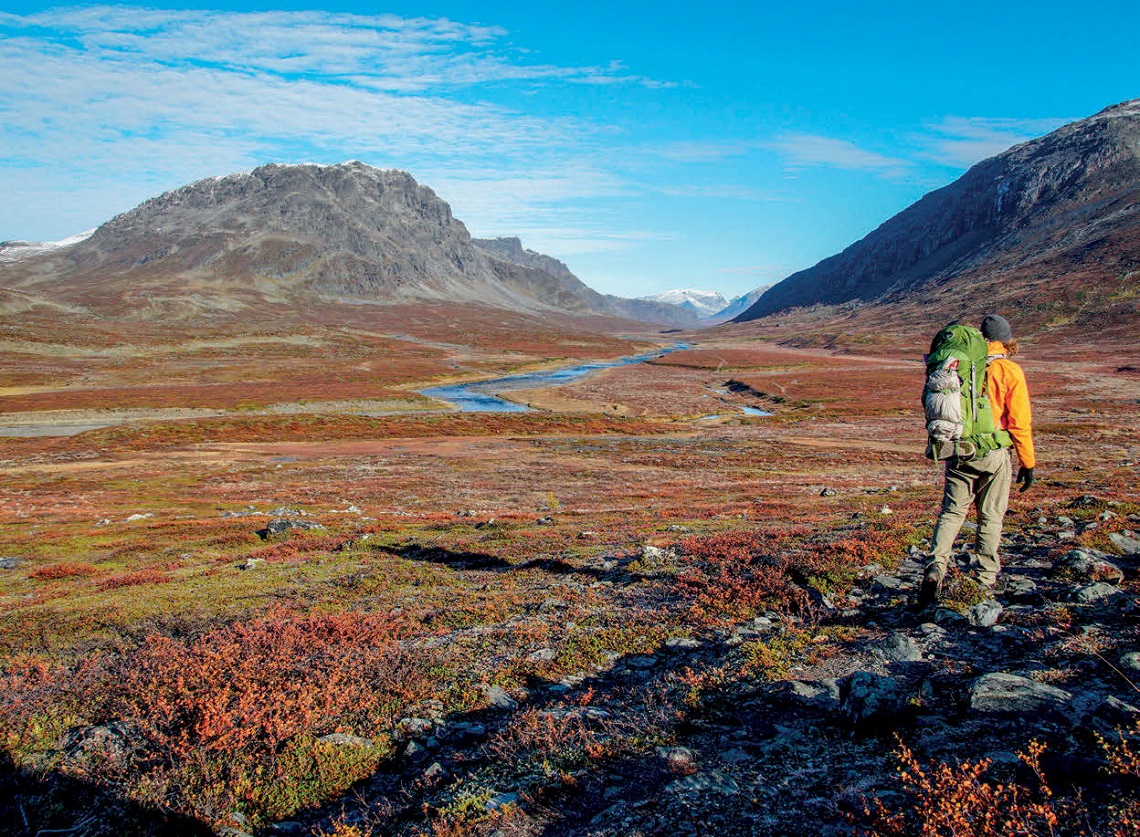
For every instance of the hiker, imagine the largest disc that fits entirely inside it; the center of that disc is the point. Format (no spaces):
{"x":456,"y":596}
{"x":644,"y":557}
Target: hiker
{"x":984,"y":480}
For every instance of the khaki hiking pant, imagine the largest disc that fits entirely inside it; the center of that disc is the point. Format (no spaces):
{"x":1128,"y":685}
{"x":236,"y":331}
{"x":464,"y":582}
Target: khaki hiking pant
{"x":983,"y":482}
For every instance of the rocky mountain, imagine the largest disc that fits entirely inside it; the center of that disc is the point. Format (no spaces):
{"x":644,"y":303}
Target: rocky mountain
{"x":1049,"y":228}
{"x":704,"y":304}
{"x":511,"y":251}
{"x":295,"y":235}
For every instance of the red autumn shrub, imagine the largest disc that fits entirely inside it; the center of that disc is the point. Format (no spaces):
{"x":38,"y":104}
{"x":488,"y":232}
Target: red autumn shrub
{"x":734,"y":574}
{"x":140,"y":577}
{"x":945,"y":800}
{"x":249,"y":687}
{"x":64,"y":569}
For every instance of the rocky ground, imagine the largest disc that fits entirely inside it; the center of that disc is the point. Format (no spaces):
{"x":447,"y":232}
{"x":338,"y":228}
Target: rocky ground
{"x":814,"y":738}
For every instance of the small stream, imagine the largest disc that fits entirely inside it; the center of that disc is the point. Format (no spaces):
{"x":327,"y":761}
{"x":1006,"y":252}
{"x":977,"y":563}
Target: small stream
{"x":480,"y":397}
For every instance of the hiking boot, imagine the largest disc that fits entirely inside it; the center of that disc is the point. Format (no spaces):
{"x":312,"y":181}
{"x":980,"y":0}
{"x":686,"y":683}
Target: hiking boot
{"x":929,"y":593}
{"x":997,"y":588}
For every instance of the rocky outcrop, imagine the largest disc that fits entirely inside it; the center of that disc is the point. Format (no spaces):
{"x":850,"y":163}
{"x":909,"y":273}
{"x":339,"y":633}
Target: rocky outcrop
{"x":1075,"y":192}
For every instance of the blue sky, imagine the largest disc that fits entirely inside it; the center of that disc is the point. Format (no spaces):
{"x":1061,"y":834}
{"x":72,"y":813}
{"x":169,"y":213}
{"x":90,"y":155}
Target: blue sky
{"x":716,"y":145}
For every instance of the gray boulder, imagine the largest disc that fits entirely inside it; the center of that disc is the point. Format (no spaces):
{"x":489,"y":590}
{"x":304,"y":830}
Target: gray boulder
{"x":898,"y":648}
{"x":498,"y":698}
{"x":1093,"y":593}
{"x":1000,"y":693}
{"x":281,"y":525}
{"x":866,"y":697}
{"x":818,"y":694}
{"x":1128,"y":543}
{"x":705,"y":783}
{"x":114,"y":743}
{"x":984,"y":614}
{"x":1088,"y":565}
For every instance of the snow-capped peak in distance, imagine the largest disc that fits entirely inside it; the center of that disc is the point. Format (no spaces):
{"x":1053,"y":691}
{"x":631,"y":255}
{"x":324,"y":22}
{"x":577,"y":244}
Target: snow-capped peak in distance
{"x":13,"y":251}
{"x":702,"y":303}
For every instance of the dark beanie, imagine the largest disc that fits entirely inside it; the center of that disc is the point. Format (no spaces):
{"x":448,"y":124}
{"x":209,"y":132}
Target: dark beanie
{"x":996,"y":328}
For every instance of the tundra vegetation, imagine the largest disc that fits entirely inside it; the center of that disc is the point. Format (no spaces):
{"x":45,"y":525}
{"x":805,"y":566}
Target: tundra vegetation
{"x":648,"y":614}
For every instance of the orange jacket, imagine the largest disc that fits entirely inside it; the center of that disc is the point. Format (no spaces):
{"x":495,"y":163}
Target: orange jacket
{"x":1009,"y":397}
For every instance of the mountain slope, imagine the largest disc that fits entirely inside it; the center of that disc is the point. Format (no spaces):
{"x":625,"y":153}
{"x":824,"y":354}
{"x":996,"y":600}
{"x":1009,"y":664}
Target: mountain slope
{"x":292,"y":235}
{"x":509,"y":250}
{"x":1065,"y":204}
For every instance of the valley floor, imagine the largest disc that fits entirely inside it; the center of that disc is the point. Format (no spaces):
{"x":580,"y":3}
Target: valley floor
{"x":644,"y":613}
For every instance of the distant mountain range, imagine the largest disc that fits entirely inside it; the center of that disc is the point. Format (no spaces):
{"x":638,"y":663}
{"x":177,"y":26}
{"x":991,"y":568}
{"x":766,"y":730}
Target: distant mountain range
{"x":296,"y":235}
{"x":710,"y":306}
{"x":1048,"y":231}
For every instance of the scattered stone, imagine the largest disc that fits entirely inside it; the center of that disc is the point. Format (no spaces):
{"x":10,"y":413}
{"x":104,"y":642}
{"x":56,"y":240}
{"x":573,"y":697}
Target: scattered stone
{"x":653,"y":556}
{"x":1116,"y":712}
{"x":280,"y":525}
{"x":1092,"y":593}
{"x":761,"y":623}
{"x":106,"y":521}
{"x":1128,"y":543}
{"x":252,"y":563}
{"x":984,"y":614}
{"x":416,"y":752}
{"x":409,"y":728}
{"x":898,"y":648}
{"x":9,"y":563}
{"x":135,"y":517}
{"x":1105,"y":516}
{"x":948,"y":616}
{"x":285,"y":511}
{"x":545,"y":521}
{"x":1000,"y":693}
{"x":501,"y":801}
{"x":489,"y":523}
{"x":1131,"y":661}
{"x":1020,"y":585}
{"x":680,"y":760}
{"x":498,"y":698}
{"x":885,"y":510}
{"x":865,"y":697}
{"x":1065,"y":521}
{"x":115,"y":742}
{"x":820,"y":694}
{"x":710,"y":781}
{"x":435,"y":771}
{"x":542,"y":655}
{"x":682,"y":643}
{"x":288,"y":827}
{"x":341,"y":739}
{"x":735,"y":756}
{"x":1088,"y":564}
{"x":827,"y":492}
{"x":888,"y":582}
{"x":641,"y":661}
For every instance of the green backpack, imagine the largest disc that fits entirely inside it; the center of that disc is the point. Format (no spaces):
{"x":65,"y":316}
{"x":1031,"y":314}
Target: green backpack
{"x":959,"y":419}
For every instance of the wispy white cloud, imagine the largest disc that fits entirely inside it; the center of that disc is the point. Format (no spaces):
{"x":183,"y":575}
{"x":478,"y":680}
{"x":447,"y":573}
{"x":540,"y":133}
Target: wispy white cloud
{"x":125,"y":99}
{"x":961,"y":141}
{"x":811,"y":150}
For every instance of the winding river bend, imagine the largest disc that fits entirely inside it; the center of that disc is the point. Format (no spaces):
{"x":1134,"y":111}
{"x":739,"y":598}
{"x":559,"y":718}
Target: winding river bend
{"x":481,"y":397}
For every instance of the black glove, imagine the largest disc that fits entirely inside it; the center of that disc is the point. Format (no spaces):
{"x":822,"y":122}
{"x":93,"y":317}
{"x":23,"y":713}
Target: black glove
{"x":1024,"y":475}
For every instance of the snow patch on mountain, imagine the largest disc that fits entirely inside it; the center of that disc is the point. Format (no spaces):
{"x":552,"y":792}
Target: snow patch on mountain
{"x":14,"y":251}
{"x":702,"y":303}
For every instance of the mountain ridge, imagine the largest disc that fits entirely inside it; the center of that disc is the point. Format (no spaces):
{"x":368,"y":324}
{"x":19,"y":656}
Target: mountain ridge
{"x":297,"y":235}
{"x":1073,"y":195}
